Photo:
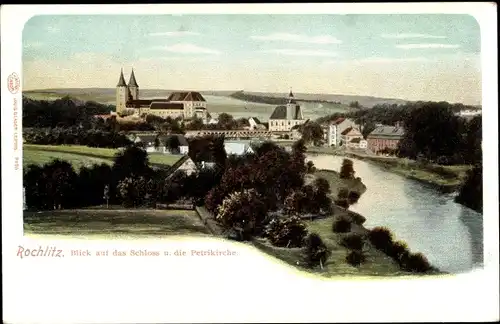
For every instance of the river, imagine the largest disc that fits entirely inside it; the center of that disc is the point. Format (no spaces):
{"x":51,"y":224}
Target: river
{"x":448,"y":234}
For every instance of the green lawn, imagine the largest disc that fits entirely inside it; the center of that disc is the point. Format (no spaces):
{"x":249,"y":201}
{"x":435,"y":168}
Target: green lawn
{"x":376,"y":264}
{"x":114,"y":223}
{"x":79,"y":155}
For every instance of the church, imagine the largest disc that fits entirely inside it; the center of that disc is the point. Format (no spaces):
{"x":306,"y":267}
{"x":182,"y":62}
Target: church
{"x":284,"y":118}
{"x":184,"y":104}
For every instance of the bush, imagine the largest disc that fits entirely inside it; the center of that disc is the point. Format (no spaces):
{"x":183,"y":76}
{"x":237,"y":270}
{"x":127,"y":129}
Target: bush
{"x":315,"y":251}
{"x":353,"y":197}
{"x":288,"y":232}
{"x":398,"y":250}
{"x":381,"y":238}
{"x":341,"y":225}
{"x":243,"y":211}
{"x":353,"y":241}
{"x":415,"y":262}
{"x":344,"y":203}
{"x":355,"y":258}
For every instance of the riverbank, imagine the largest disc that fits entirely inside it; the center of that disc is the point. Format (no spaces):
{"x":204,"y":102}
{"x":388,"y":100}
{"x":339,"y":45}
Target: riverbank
{"x":445,"y":178}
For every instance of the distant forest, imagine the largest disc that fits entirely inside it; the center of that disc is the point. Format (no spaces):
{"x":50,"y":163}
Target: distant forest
{"x":64,"y":112}
{"x":271,"y":100}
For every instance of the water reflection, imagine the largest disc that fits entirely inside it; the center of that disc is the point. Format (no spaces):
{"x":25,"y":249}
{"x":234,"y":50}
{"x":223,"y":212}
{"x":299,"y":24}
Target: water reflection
{"x":449,"y":234}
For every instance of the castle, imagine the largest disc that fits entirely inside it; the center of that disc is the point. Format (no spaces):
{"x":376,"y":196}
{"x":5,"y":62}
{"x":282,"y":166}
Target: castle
{"x":185,"y":104}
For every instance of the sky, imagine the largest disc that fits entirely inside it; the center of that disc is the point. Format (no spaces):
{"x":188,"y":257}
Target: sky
{"x":413,"y":57}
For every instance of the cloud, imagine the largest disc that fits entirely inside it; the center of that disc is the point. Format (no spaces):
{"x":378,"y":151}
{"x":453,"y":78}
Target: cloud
{"x":418,"y":46}
{"x":298,"y":52}
{"x":33,"y":45}
{"x":392,"y":60}
{"x":285,"y":37}
{"x":180,"y":33}
{"x":188,"y":49}
{"x":411,"y":35}
{"x":52,"y":29}
{"x":379,"y":60}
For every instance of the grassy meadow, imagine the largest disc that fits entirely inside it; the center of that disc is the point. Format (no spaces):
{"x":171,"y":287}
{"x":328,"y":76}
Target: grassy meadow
{"x":114,"y":223}
{"x":79,"y":155}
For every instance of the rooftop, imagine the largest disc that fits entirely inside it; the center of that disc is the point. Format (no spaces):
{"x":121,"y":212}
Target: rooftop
{"x":387,"y":131}
{"x":186,"y":96}
{"x":280,"y":112}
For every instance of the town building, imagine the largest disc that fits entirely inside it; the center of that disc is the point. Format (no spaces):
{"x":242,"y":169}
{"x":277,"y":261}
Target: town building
{"x":184,"y":104}
{"x":284,"y":118}
{"x":334,"y":130}
{"x":351,"y":137}
{"x":238,"y":148}
{"x":255,"y":124}
{"x":185,"y":163}
{"x":385,"y":137}
{"x":154,"y":143}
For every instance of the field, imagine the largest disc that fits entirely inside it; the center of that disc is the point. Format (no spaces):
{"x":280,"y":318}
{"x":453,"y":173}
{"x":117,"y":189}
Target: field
{"x":114,"y":223}
{"x":82,"y":155}
{"x":146,"y":223}
{"x":216,"y":102}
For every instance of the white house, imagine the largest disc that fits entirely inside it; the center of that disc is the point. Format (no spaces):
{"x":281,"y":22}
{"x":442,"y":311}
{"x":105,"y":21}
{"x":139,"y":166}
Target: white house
{"x":335,"y":129}
{"x":157,"y":143}
{"x":238,"y":148}
{"x":255,"y":124}
{"x":351,"y":137}
{"x":363,"y":144}
{"x":284,"y":118}
{"x":183,"y":164}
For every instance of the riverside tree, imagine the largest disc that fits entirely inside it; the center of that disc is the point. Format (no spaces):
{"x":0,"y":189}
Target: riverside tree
{"x":347,"y":169}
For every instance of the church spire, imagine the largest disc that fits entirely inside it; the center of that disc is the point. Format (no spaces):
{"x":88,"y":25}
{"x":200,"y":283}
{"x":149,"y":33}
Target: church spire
{"x":121,"y":82}
{"x":291,"y":99}
{"x":132,"y":82}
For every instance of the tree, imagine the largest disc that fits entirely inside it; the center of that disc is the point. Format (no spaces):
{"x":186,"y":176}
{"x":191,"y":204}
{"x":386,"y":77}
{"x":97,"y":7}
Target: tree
{"x":434,"y":131}
{"x":133,"y":161}
{"x":322,"y":194}
{"x":157,"y":143}
{"x":471,"y":192}
{"x":312,"y":132}
{"x":226,"y":121}
{"x":61,"y":183}
{"x":195,"y":124}
{"x":347,"y":169}
{"x":315,"y":251}
{"x":354,"y":104}
{"x":106,"y":195}
{"x":289,"y":232}
{"x":135,"y":191}
{"x":243,"y":211}
{"x":172,"y":143}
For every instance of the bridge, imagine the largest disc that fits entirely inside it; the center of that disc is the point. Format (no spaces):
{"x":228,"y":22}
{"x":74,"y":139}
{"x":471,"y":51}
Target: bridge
{"x":233,"y":133}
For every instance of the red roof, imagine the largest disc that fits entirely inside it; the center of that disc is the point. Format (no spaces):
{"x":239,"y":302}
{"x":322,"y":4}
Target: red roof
{"x":338,"y":120}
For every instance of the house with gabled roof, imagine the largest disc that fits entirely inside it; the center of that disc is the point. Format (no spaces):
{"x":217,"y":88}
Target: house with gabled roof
{"x":238,"y":148}
{"x":185,"y":163}
{"x":284,"y":118}
{"x":255,"y":124}
{"x":335,"y":128}
{"x":350,"y":134}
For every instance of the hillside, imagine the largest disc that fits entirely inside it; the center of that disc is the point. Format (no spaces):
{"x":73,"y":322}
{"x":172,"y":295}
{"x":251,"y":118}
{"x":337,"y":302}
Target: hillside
{"x":107,"y":95}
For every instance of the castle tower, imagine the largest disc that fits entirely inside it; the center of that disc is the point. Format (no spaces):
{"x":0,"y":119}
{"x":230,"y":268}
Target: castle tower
{"x":291,"y":106}
{"x":133,"y":87}
{"x":121,"y":94}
